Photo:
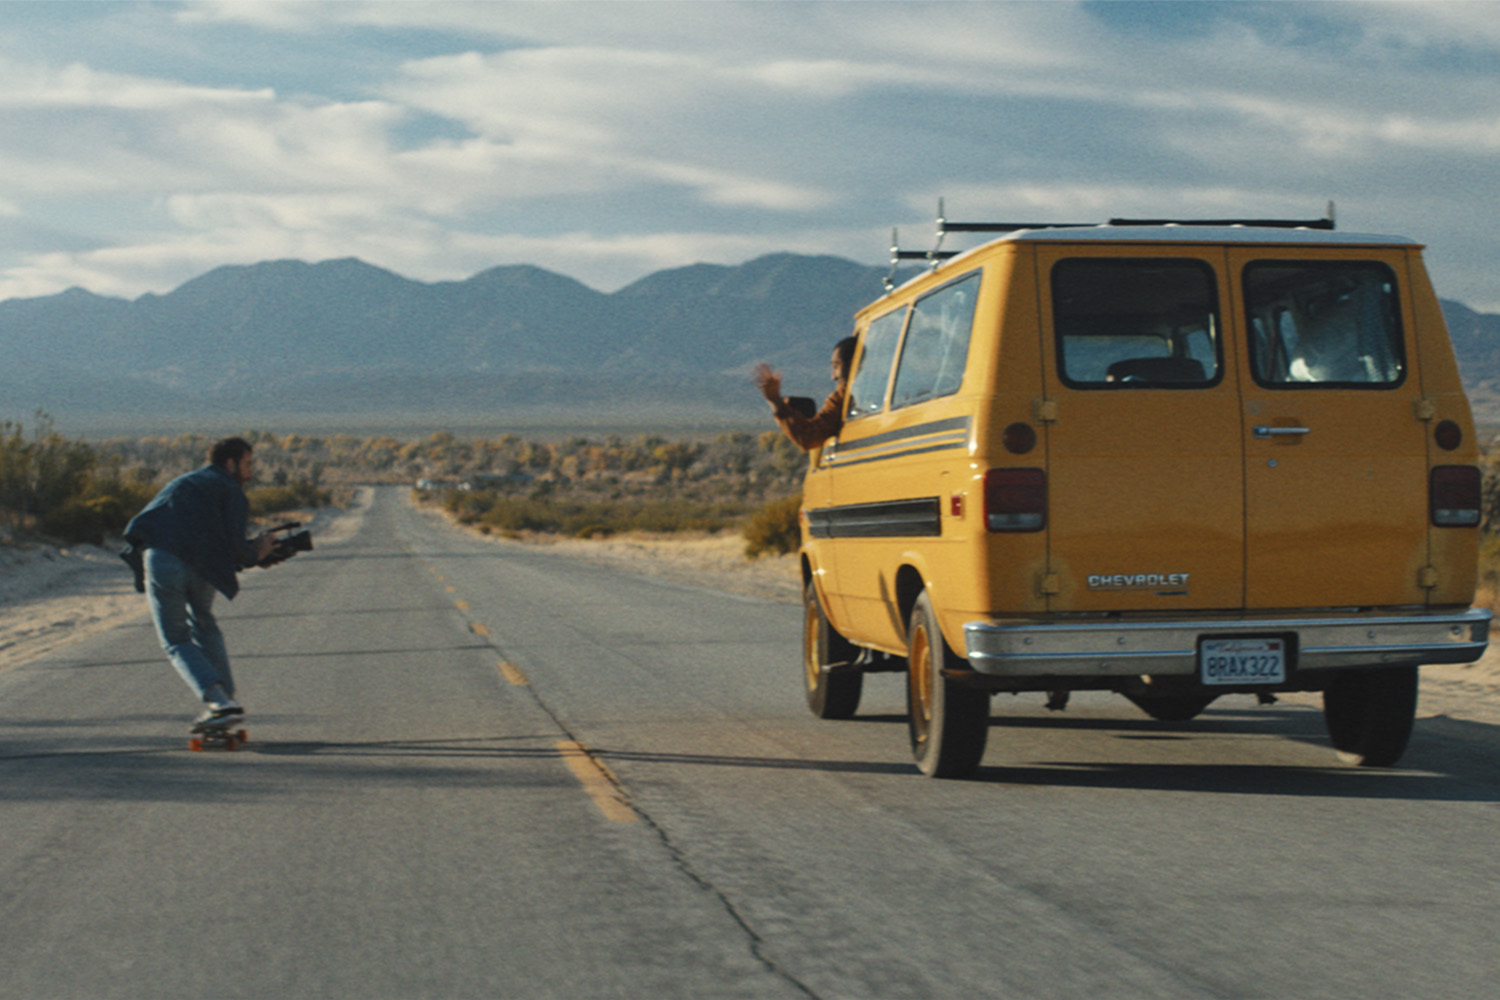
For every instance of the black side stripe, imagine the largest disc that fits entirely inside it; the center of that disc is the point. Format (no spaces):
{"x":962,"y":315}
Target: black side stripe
{"x":920,"y":518}
{"x":936,"y":435}
{"x":944,"y":446}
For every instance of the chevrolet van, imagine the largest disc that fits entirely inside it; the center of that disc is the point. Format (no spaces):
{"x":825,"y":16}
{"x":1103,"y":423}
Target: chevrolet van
{"x":1171,"y":460}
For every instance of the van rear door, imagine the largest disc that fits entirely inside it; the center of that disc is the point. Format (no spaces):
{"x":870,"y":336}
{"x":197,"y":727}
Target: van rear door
{"x":1336,"y":463}
{"x":1145,"y":473}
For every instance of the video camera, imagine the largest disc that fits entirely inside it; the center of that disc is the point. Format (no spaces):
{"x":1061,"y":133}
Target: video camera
{"x":288,"y":545}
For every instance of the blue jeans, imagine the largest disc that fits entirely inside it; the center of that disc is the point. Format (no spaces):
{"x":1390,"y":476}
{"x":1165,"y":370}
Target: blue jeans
{"x":182,"y":608}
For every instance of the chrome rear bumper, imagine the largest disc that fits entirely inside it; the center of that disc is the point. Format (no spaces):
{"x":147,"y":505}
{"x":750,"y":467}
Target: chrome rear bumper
{"x":1328,"y":641}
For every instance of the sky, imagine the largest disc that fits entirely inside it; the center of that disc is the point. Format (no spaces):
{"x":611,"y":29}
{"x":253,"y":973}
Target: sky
{"x":144,"y":144}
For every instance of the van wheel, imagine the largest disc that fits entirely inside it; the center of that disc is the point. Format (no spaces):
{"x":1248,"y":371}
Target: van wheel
{"x":1172,"y":707}
{"x":830,"y":694}
{"x":948,"y":722}
{"x":1369,"y":714}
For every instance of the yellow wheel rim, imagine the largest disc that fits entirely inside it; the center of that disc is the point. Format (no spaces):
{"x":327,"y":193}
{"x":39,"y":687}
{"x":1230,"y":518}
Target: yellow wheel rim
{"x":919,"y":682}
{"x":810,"y":628}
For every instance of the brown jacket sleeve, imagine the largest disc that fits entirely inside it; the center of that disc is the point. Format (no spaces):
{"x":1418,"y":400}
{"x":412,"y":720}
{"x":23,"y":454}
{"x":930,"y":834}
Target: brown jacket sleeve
{"x":810,"y":432}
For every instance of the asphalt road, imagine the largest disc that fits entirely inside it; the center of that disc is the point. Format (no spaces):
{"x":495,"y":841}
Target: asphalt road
{"x":484,"y":770}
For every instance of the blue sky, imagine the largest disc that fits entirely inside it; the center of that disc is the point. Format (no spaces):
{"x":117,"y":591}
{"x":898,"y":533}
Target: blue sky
{"x":142,"y":144}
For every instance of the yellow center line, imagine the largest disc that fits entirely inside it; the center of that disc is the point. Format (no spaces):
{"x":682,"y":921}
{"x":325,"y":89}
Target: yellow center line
{"x":512,"y":673}
{"x":597,"y":782}
{"x":451,"y":589}
{"x":462,"y":605}
{"x":479,"y":629}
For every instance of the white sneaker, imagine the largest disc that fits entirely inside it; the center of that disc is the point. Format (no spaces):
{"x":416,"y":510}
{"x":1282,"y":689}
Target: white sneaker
{"x":220,"y":715}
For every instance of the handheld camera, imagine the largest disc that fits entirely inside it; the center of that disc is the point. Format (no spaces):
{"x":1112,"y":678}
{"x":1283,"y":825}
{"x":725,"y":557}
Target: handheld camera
{"x":287,"y":545}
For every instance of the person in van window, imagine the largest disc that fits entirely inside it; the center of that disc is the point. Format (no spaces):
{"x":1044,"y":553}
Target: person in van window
{"x":810,"y":432}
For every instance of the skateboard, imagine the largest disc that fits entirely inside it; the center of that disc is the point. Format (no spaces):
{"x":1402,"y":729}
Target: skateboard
{"x":218,"y":738}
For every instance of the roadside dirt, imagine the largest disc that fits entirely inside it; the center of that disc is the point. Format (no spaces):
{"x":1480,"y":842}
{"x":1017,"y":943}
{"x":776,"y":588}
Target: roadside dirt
{"x":714,"y":561}
{"x":53,"y":597}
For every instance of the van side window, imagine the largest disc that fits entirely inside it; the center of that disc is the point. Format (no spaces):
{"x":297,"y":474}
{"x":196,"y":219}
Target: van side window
{"x":937,"y":344}
{"x":1324,"y":323}
{"x":867,"y":390}
{"x":1128,"y":323}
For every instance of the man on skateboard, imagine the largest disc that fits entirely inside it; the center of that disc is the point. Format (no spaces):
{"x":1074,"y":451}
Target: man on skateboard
{"x":193,"y":539}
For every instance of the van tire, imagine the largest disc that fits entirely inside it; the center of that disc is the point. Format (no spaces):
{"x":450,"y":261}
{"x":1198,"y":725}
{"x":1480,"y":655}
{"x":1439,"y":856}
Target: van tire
{"x":948,"y":722}
{"x":1369,"y":714}
{"x":1172,"y":707}
{"x":830,"y":695}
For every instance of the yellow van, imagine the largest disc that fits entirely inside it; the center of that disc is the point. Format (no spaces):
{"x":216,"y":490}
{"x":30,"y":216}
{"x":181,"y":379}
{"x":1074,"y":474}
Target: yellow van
{"x":1173,"y":460}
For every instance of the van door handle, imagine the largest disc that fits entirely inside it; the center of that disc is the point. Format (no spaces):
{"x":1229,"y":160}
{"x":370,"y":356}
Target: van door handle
{"x":1266,"y":432}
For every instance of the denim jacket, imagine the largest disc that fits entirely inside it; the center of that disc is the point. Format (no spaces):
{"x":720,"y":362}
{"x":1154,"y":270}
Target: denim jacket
{"x":201,"y":519}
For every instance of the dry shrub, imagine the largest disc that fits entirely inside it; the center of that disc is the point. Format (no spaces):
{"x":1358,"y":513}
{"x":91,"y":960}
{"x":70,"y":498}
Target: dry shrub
{"x":775,"y":528}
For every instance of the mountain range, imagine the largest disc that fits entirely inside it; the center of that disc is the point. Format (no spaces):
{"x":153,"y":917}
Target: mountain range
{"x":343,"y":338}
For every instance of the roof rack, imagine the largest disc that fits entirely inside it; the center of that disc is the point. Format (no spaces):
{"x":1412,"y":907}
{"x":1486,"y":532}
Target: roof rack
{"x":1325,"y":223}
{"x":944,"y":227}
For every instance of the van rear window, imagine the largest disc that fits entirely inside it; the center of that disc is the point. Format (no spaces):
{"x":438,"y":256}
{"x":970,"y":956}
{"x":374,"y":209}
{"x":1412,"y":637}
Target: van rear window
{"x":1324,"y":323}
{"x":1127,"y":323}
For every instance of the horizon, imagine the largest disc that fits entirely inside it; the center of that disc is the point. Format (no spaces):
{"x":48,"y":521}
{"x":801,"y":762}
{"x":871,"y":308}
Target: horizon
{"x":441,"y":281}
{"x":501,"y":267}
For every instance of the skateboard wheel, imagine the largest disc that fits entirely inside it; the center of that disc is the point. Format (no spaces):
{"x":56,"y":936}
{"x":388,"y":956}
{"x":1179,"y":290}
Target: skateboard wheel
{"x":195,"y":744}
{"x":244,"y":735}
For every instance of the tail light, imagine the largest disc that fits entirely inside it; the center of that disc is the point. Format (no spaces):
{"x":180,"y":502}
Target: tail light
{"x":1455,"y":496}
{"x":1015,"y":499}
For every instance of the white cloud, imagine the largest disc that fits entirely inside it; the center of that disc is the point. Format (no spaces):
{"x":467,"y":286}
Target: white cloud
{"x":1435,"y":23}
{"x":83,"y":131}
{"x":1467,"y":138}
{"x":606,"y":138}
{"x":606,"y":119}
{"x":275,"y":15}
{"x":229,"y":213}
{"x":75,"y":85}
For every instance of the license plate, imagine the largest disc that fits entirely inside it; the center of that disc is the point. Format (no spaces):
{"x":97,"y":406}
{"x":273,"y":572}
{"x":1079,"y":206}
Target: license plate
{"x":1242,"y":661}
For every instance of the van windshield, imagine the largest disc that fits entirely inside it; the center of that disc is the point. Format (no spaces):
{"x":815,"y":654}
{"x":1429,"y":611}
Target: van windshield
{"x":1136,"y":323}
{"x":1324,"y":323}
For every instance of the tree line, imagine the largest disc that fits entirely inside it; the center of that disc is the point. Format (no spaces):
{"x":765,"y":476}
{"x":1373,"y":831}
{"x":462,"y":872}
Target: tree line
{"x":62,"y":488}
{"x":75,"y":492}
